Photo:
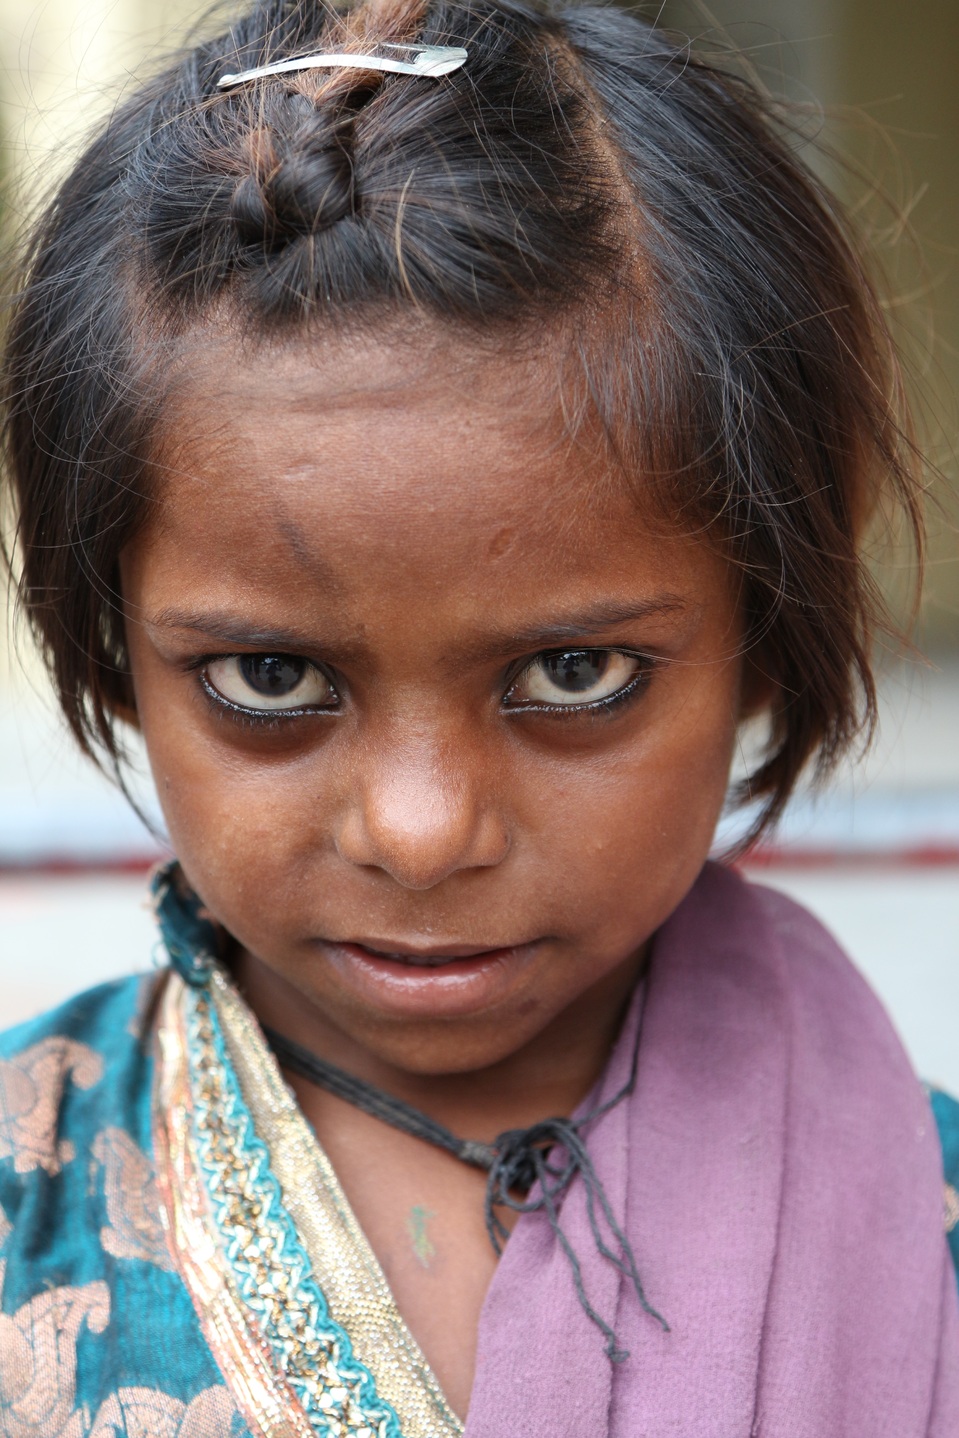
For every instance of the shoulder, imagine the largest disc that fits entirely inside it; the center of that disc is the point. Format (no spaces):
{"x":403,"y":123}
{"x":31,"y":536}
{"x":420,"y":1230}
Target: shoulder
{"x":748,"y":910}
{"x":843,"y":1043}
{"x":855,"y":1103}
{"x":71,"y":1072}
{"x":780,"y":934}
{"x":75,"y":1088}
{"x":94,"y":1319}
{"x":87,"y":1016}
{"x":847,"y":1068}
{"x":849,"y":1031}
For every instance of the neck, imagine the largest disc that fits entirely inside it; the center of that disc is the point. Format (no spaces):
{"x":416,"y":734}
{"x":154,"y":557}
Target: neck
{"x":549,"y":1076}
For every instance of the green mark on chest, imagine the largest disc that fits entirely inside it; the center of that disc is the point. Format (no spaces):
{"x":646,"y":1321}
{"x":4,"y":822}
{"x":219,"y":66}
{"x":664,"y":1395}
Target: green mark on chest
{"x":416,"y":1223}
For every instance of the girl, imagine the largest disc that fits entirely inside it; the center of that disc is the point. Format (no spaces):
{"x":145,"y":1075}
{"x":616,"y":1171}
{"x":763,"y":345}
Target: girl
{"x":437,"y":427}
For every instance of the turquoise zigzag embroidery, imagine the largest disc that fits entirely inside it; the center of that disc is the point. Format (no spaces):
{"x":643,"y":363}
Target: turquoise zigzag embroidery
{"x":269,"y":1264}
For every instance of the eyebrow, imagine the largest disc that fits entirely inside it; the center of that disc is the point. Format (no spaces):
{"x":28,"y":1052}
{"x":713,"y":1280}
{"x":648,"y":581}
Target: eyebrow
{"x":229,"y":630}
{"x":577,"y":625}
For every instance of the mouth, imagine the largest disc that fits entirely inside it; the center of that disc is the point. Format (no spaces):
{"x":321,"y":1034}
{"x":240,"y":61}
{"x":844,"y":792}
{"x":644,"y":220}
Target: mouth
{"x":431,"y":957}
{"x":430,"y":981}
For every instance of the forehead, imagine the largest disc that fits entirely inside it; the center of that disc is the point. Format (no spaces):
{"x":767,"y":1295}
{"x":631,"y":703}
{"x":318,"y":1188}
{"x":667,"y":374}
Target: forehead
{"x":337,"y":462}
{"x":366,"y":421}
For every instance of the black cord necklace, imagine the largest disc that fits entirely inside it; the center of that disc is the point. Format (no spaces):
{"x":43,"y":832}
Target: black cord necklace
{"x":521,"y":1176}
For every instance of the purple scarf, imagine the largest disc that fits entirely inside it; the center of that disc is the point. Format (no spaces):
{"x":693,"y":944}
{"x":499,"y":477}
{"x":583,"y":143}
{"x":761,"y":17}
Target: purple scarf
{"x":777,"y":1171}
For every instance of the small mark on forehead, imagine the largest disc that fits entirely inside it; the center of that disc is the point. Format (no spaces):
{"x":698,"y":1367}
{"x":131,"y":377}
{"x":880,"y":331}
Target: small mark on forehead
{"x":295,"y":537}
{"x":502,"y":542}
{"x":305,"y":552}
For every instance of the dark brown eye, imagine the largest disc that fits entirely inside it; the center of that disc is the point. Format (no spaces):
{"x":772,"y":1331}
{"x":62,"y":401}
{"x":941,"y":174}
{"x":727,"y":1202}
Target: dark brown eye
{"x":270,"y":682}
{"x":574,"y":676}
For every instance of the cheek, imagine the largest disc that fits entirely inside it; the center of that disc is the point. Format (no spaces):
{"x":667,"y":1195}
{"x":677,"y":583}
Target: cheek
{"x":231,"y":821}
{"x":250,"y":843}
{"x":222,"y":811}
{"x":634,"y":831}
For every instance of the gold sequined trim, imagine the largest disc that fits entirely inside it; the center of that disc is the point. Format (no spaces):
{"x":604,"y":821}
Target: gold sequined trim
{"x":272,"y":1273}
{"x":343,"y":1263}
{"x":265,"y":1401}
{"x":341,"y":1260}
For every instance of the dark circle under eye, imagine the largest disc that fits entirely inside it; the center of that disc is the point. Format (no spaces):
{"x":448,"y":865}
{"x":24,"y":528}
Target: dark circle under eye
{"x":272,"y":675}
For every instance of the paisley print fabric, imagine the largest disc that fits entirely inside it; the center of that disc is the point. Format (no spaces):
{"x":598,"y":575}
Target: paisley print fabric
{"x":31,"y":1084}
{"x":98,"y":1337}
{"x":133,"y":1228}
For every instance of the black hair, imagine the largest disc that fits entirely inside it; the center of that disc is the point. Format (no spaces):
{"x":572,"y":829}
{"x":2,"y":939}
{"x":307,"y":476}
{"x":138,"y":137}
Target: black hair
{"x":581,"y":164}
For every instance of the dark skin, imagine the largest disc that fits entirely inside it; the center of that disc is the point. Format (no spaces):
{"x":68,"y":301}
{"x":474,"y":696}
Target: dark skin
{"x":502,"y":704}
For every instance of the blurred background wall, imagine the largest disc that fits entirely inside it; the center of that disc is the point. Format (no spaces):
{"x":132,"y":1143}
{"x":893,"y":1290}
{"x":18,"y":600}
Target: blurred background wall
{"x":879,"y":857}
{"x":883,"y":78}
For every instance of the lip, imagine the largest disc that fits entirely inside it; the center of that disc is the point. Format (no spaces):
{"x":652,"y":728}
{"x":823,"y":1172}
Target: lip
{"x":429,"y":981}
{"x":429,"y":955}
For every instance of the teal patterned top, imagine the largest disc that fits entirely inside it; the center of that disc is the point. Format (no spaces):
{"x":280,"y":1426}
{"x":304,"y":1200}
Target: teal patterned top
{"x":946,"y":1110}
{"x":98,"y":1335}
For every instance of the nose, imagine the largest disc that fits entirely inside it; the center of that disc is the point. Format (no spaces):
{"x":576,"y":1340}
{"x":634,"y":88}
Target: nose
{"x":421,"y":812}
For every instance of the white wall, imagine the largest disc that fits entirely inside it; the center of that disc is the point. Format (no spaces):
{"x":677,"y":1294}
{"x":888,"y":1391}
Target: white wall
{"x":63,"y":64}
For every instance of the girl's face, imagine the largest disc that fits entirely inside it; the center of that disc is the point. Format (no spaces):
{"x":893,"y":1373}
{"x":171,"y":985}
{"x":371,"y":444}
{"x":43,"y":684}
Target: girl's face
{"x":440,"y":721}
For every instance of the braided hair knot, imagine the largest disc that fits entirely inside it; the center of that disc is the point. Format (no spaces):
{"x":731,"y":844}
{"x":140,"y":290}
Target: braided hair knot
{"x":300,"y":182}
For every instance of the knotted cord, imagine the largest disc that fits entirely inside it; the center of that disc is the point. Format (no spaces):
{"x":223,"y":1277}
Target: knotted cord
{"x":520,"y":1173}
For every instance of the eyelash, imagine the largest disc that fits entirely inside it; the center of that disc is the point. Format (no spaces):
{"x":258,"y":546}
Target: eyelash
{"x":270,"y":720}
{"x":595,"y":708}
{"x":253,"y":720}
{"x":259,"y":720}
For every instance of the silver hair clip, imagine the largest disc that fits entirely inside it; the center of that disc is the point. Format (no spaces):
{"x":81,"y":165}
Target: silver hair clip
{"x":432,"y":60}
